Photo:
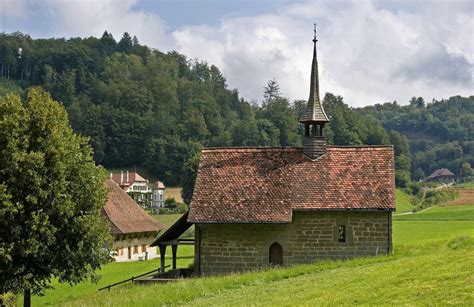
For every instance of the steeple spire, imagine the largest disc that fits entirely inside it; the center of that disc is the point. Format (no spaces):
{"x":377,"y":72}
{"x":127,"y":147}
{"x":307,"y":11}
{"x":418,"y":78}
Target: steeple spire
{"x":314,"y":110}
{"x":314,"y":117}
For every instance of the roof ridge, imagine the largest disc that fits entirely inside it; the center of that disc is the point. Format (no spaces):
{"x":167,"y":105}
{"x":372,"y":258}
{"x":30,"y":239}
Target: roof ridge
{"x":250,"y":149}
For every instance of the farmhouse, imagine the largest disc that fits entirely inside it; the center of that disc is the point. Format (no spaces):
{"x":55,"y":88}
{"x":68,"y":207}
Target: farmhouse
{"x":132,"y":228}
{"x":148,"y":196}
{"x":441,"y":174}
{"x":257,"y":207}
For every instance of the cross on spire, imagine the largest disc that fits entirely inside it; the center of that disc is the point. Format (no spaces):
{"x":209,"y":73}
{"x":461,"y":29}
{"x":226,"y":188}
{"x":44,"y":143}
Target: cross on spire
{"x":314,"y":38}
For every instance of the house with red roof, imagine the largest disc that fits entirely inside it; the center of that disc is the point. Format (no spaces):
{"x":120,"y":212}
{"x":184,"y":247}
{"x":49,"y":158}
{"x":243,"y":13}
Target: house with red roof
{"x":149,"y":196}
{"x":257,"y":207}
{"x":132,"y":229}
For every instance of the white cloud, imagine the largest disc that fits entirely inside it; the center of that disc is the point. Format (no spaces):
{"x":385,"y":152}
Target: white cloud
{"x":92,"y":17}
{"x":368,"y":51}
{"x":13,"y":8}
{"x":366,"y":54}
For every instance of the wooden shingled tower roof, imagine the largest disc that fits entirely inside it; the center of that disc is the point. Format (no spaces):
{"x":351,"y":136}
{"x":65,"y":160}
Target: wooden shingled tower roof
{"x":125,"y":215}
{"x":314,"y":109}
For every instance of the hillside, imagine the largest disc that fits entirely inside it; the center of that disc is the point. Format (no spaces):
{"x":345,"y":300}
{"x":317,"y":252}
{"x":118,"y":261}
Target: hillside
{"x":419,"y":239}
{"x":154,"y":110}
{"x":403,"y":202}
{"x":432,"y":279}
{"x":440,"y":132}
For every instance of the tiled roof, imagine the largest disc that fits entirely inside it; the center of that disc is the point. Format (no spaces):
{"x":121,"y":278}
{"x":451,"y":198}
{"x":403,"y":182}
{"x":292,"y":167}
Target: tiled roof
{"x":121,"y":178}
{"x":158,"y":185}
{"x":265,"y":185}
{"x":125,"y":215}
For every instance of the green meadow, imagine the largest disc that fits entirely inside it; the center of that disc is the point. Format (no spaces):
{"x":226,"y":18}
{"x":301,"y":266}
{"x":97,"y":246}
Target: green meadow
{"x":432,"y":264}
{"x":403,"y":202}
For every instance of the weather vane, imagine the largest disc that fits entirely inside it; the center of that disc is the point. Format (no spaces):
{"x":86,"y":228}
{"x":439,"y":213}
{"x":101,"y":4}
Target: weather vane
{"x":315,"y":39}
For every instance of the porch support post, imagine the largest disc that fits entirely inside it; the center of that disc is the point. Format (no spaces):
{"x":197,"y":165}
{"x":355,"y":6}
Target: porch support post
{"x":162,"y":257}
{"x":174,"y":248}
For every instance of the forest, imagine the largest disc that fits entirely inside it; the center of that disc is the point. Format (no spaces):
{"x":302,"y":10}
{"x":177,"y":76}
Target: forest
{"x":143,"y":107}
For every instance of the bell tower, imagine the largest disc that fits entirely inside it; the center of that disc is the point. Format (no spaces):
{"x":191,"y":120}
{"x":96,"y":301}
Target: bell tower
{"x":314,"y":118}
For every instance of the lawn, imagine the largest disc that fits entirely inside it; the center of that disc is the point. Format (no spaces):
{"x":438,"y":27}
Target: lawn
{"x":452,"y":212}
{"x":403,"y":202}
{"x":415,"y":274}
{"x":167,"y":219}
{"x":468,"y":184}
{"x":111,"y":273}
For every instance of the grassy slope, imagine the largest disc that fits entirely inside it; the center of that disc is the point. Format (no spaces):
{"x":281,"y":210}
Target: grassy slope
{"x":426,"y":277}
{"x":403,"y":202}
{"x":416,"y":274}
{"x":469,"y":184}
{"x":167,"y":219}
{"x":115,"y":272}
{"x":415,"y":241}
{"x":459,"y":212}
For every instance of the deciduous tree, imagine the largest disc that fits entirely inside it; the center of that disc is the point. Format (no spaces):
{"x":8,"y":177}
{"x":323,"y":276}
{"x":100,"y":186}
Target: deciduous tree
{"x":51,"y":194}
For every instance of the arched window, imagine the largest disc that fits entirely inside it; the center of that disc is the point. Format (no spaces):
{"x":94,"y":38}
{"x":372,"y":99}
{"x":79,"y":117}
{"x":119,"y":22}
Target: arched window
{"x":276,"y":254}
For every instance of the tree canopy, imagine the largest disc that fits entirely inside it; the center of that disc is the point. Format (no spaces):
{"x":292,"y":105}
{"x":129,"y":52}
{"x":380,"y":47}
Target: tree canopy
{"x":143,"y":107}
{"x":51,"y":194}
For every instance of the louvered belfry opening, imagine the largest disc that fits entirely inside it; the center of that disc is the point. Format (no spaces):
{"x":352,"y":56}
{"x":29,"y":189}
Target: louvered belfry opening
{"x":314,"y":118}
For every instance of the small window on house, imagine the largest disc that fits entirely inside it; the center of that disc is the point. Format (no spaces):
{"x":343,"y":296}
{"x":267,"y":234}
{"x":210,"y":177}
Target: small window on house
{"x":144,"y":248}
{"x":135,"y":249}
{"x":341,"y":233}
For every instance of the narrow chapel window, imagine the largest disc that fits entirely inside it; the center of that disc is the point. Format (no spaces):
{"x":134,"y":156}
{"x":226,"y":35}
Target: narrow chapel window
{"x":341,"y":233}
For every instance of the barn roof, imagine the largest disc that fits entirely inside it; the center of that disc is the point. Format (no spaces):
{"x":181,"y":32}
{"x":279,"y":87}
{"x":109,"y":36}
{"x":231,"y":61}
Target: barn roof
{"x":265,"y":185}
{"x":439,"y":173}
{"x":125,"y":215}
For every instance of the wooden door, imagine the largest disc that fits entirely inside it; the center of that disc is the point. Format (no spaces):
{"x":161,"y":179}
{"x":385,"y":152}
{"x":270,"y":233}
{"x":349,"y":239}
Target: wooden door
{"x":129,"y":252}
{"x":276,"y":254}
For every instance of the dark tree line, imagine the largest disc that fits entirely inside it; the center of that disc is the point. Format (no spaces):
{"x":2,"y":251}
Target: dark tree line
{"x":143,"y":107}
{"x":440,"y":133}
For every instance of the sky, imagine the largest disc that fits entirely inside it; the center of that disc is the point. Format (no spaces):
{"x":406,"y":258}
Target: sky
{"x":369,"y":51}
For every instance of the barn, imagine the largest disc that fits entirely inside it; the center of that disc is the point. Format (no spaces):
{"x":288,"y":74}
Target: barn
{"x":257,"y":207}
{"x":132,"y":228}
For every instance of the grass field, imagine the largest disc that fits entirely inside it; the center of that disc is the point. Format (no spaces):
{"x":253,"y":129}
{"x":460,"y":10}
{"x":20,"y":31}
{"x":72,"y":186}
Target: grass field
{"x":432,"y":264}
{"x":427,"y":268}
{"x":447,"y":212}
{"x":174,"y":192}
{"x":167,"y":219}
{"x":469,"y":184}
{"x":111,"y":273}
{"x":403,"y":202}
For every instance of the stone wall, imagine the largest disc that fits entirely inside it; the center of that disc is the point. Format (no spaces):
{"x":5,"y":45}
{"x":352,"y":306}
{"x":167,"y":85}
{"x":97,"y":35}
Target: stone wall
{"x":225,"y":248}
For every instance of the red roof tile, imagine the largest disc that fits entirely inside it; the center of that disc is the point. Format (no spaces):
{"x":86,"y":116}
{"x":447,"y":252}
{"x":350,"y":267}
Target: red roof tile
{"x":265,"y":185}
{"x":121,"y":178}
{"x":158,"y":185}
{"x":125,"y":215}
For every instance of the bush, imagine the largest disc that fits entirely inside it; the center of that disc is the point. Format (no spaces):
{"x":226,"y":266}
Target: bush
{"x":181,"y":208}
{"x":8,"y":299}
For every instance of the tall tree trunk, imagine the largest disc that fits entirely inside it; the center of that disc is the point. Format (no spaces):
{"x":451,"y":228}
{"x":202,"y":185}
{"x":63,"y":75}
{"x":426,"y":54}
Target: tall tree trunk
{"x":27,"y":298}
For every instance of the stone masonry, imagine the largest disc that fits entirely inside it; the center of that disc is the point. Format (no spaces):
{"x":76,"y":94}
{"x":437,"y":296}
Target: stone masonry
{"x":312,"y":236}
